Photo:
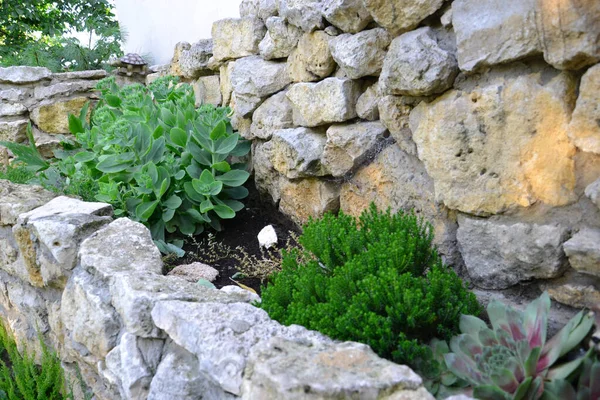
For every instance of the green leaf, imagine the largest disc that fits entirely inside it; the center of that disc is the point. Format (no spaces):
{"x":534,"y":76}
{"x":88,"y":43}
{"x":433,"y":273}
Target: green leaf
{"x":242,"y":148}
{"x":225,"y":146}
{"x":218,"y":131}
{"x":144,"y":211}
{"x":224,"y":211}
{"x":200,"y":155}
{"x":115,"y":163}
{"x":156,"y":151}
{"x":168,"y":214}
{"x":164,"y":186}
{"x":179,"y":137}
{"x":113,"y":101}
{"x":236,"y":193}
{"x":234,"y":177}
{"x":172,"y":202}
{"x":75,"y":125}
{"x":215,"y":188}
{"x":180,"y":175}
{"x":84,"y":156}
{"x":168,"y":117}
{"x":207,"y":177}
{"x":206,"y":206}
{"x":234,"y":205}
{"x":222,"y":166}
{"x":206,"y":283}
{"x":192,"y":194}
{"x":192,"y":212}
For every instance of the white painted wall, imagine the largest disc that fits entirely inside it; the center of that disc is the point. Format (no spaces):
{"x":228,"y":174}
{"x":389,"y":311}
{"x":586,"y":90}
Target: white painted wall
{"x":155,"y":26}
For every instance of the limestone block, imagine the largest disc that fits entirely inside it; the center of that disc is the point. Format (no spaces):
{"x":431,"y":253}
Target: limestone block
{"x":175,"y":67}
{"x":12,"y":109}
{"x":305,"y":198}
{"x":305,"y":14}
{"x":257,"y":77}
{"x":237,"y":38}
{"x":490,"y":32}
{"x":399,"y":16}
{"x":280,"y":368}
{"x":266,"y":177}
{"x":575,"y":290}
{"x":280,"y":40}
{"x":593,"y":192}
{"x":332,"y":100}
{"x":297,"y":152}
{"x":14,"y":130}
{"x":23,"y":74}
{"x":367,"y":106}
{"x":417,"y":66}
{"x":193,"y":62}
{"x":394,"y":112}
{"x":500,"y":142}
{"x":243,"y":105}
{"x":398,"y":181}
{"x":249,"y":8}
{"x":584,"y":129}
{"x":17,"y":199}
{"x":94,"y":74}
{"x":311,"y":60}
{"x":241,"y":124}
{"x":225,"y":81}
{"x":499,"y":254}
{"x":207,"y":90}
{"x":53,"y":117}
{"x":268,"y":9}
{"x":194,"y":272}
{"x":348,"y":15}
{"x":64,"y":89}
{"x":14,"y":94}
{"x":583,"y":250}
{"x":360,"y":54}
{"x":569,"y":31}
{"x":275,"y":113}
{"x":121,"y":246}
{"x":349,"y":145}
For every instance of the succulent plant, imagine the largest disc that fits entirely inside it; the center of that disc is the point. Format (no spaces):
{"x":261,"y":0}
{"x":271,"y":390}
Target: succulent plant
{"x":512,"y":360}
{"x":587,"y":388}
{"x":443,"y":383}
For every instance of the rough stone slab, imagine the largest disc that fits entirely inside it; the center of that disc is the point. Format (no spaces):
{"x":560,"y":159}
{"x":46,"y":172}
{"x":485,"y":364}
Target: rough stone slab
{"x":332,"y":100}
{"x":575,"y":290}
{"x":584,"y":129}
{"x":193,"y":62}
{"x":274,"y":114}
{"x":222,"y":335}
{"x":24,"y":74}
{"x":194,"y":272}
{"x":122,"y":246}
{"x":489,"y":32}
{"x":583,"y":250}
{"x":306,"y":198}
{"x":95,"y":74}
{"x":64,"y":89}
{"x":280,"y":39}
{"x":18,"y":199}
{"x":499,"y":254}
{"x":416,"y":65}
{"x":349,"y":145}
{"x":14,"y":131}
{"x":569,"y":31}
{"x":361,"y":54}
{"x":367,"y":106}
{"x":12,"y":109}
{"x":305,"y":14}
{"x":257,"y":77}
{"x":280,"y":369}
{"x":53,"y":117}
{"x":398,"y":181}
{"x":266,"y":177}
{"x":237,"y":38}
{"x":243,"y":106}
{"x":208,"y":91}
{"x":225,"y":79}
{"x":297,"y":152}
{"x":13,"y":94}
{"x":175,"y":67}
{"x":481,"y":152}
{"x":593,"y":192}
{"x":311,"y":60}
{"x":63,"y":205}
{"x":348,"y":15}
{"x":399,"y":16}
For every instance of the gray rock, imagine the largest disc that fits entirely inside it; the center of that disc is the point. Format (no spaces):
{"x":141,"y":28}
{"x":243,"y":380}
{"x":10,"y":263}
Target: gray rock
{"x":236,"y":38}
{"x":489,"y":33}
{"x":332,"y":100}
{"x":268,"y":9}
{"x":249,"y":8}
{"x":194,"y":272}
{"x":593,"y":192}
{"x":244,"y":295}
{"x":222,"y":335}
{"x":584,"y":130}
{"x":360,"y":54}
{"x":569,"y":32}
{"x":305,"y":14}
{"x":311,"y":60}
{"x":225,"y":82}
{"x":64,"y":89}
{"x":89,"y":319}
{"x":243,"y":105}
{"x":122,"y":246}
{"x":297,"y":152}
{"x":23,"y":74}
{"x":575,"y":290}
{"x":208,"y":91}
{"x":194,"y":62}
{"x":14,"y":131}
{"x":399,"y":16}
{"x":279,"y":369}
{"x":417,"y":66}
{"x":349,"y":15}
{"x":367,"y":106}
{"x":63,"y":205}
{"x":275,"y":113}
{"x":499,"y":254}
{"x":94,"y":74}
{"x":583,"y":250}
{"x":13,"y":94}
{"x":12,"y":109}
{"x":266,"y":177}
{"x":349,"y":145}
{"x":280,"y":40}
{"x":257,"y":77}
{"x":17,"y":199}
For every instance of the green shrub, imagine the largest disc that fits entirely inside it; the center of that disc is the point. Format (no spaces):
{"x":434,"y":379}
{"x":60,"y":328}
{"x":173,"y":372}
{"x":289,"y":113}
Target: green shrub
{"x":17,"y":174}
{"x":153,"y":156}
{"x":378,"y":281}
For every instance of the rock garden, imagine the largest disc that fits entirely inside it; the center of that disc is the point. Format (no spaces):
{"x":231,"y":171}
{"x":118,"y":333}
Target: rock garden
{"x":328,"y":199}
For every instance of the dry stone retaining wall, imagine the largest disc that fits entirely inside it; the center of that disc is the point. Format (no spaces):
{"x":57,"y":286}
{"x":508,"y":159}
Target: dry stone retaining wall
{"x":480,"y":115}
{"x":95,"y":290}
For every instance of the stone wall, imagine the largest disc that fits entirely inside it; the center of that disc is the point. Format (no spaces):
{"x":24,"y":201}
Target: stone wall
{"x":95,"y":290}
{"x":480,"y":115}
{"x":37,"y":96}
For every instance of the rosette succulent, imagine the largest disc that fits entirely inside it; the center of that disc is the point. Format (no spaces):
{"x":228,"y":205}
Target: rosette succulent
{"x":512,"y":360}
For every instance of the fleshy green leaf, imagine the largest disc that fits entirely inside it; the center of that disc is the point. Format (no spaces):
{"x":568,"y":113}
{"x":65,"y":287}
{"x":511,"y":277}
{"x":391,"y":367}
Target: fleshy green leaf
{"x":172,"y":202}
{"x":145,"y":210}
{"x":234,"y":177}
{"x":179,"y":137}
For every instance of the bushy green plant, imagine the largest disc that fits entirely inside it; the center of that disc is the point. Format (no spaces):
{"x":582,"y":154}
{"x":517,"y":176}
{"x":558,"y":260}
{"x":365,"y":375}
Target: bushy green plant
{"x":378,"y":280}
{"x":22,"y":379}
{"x":512,"y":360}
{"x":17,"y":174}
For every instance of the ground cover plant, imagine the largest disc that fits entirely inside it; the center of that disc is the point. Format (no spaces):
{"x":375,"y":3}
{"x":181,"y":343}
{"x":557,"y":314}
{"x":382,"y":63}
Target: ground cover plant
{"x":377,"y":280}
{"x":151,"y":154}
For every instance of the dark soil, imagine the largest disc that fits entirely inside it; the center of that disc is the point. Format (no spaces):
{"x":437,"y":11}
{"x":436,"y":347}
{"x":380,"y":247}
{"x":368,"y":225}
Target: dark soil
{"x":241,"y":232}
